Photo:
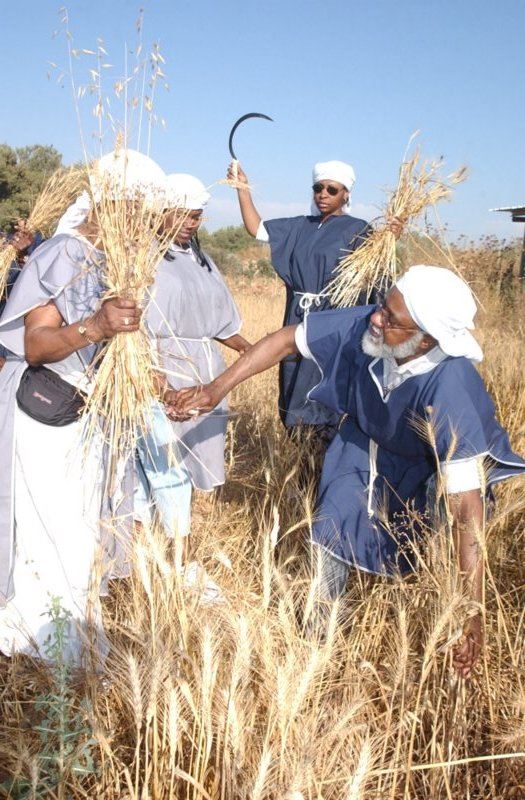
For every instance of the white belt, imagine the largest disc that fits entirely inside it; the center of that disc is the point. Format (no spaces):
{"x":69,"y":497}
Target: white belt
{"x":372,"y":461}
{"x":208,"y":351}
{"x":308,"y":299}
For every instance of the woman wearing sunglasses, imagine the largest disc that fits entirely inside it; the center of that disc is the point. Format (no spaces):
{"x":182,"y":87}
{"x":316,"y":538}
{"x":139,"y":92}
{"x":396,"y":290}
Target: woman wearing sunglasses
{"x":304,"y":252}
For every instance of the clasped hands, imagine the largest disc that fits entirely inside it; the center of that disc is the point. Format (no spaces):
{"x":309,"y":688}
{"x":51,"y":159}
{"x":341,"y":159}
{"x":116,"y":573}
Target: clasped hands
{"x":183,"y":404}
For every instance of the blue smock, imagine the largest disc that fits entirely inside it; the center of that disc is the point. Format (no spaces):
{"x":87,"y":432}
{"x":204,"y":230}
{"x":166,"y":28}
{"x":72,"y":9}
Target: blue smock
{"x":304,"y":254}
{"x":360,"y":486}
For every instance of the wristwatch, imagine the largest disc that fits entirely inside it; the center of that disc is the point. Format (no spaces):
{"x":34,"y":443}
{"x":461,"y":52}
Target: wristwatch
{"x":83,"y":332}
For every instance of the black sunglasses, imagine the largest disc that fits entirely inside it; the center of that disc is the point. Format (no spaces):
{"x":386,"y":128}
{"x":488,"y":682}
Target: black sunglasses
{"x":317,"y":188}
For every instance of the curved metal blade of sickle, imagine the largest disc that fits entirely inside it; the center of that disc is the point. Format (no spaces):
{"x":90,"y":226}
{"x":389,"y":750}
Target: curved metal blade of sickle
{"x":239,"y":122}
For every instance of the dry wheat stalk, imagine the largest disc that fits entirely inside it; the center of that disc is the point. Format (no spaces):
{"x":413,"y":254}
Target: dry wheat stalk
{"x":62,"y":188}
{"x":134,"y":238}
{"x":373,"y":265}
{"x":235,"y":184}
{"x":353,"y":726}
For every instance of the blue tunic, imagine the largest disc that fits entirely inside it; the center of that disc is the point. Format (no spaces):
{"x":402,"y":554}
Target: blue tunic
{"x":304,"y":255}
{"x":452,"y":397}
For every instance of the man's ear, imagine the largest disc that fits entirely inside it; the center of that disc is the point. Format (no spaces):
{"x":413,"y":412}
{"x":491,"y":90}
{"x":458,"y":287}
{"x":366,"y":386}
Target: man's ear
{"x":428,"y":342}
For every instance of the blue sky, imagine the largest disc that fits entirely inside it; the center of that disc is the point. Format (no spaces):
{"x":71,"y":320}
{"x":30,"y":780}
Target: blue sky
{"x":342,"y":80}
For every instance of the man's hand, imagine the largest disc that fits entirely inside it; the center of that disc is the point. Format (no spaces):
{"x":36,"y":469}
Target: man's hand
{"x":22,"y":237}
{"x":396,"y":226}
{"x":236,"y":173}
{"x":466,"y":653}
{"x":115,"y":316}
{"x":467,"y":531}
{"x":192,"y":402}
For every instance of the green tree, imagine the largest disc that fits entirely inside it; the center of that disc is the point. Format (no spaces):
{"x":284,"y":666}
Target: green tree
{"x":232,"y":238}
{"x":23,"y":172}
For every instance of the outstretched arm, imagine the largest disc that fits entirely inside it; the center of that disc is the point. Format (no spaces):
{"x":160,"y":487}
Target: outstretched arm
{"x":264,"y":354}
{"x":467,"y":510}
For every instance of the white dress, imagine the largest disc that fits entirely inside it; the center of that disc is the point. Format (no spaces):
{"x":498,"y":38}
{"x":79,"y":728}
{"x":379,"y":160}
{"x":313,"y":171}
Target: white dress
{"x":58,"y":495}
{"x":52,"y":489}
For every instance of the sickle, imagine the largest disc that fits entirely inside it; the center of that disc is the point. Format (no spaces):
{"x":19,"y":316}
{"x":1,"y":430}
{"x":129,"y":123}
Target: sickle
{"x":239,"y":122}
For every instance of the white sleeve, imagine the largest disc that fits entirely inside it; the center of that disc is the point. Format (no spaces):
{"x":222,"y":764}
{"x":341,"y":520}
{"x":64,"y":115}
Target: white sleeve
{"x":262,"y":233}
{"x":462,"y":476}
{"x":300,"y":341}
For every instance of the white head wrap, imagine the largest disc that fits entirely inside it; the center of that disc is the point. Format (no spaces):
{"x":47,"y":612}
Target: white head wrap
{"x":74,"y":215}
{"x":127,"y":174}
{"x":334,"y":171}
{"x":442,"y":305}
{"x":123,"y":173}
{"x":186,"y":191}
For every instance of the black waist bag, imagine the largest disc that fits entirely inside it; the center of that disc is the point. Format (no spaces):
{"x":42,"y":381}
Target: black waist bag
{"x":46,"y":397}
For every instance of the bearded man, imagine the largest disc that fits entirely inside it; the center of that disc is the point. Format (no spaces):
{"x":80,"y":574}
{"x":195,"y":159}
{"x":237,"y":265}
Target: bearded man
{"x":394,"y":371}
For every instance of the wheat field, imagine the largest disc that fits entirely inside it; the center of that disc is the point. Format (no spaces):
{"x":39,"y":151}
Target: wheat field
{"x":235,"y":701}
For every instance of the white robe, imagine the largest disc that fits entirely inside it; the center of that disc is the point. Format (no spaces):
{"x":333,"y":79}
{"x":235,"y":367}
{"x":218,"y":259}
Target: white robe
{"x":58,"y":494}
{"x":51,"y":496}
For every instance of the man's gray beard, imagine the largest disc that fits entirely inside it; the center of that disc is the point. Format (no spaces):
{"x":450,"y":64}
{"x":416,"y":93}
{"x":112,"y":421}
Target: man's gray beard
{"x":378,"y":349}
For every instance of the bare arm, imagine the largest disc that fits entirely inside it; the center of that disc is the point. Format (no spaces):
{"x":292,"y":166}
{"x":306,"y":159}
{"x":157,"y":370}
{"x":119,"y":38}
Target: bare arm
{"x":250,"y":215}
{"x":264,"y":354}
{"x":47,"y":339}
{"x":468,"y":512}
{"x":236,"y":342}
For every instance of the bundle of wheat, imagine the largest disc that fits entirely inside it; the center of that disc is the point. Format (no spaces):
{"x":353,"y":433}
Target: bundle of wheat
{"x":58,"y":193}
{"x":373,"y":265}
{"x":133,"y":236}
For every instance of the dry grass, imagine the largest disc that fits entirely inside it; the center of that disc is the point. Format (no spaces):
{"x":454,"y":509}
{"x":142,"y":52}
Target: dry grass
{"x":63,"y":187}
{"x":234,"y":702}
{"x":374,"y":264}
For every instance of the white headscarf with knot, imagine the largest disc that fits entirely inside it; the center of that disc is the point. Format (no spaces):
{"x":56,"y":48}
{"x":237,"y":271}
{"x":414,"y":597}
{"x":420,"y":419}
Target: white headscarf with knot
{"x":186,"y":191}
{"x":442,"y":305}
{"x":334,"y":171}
{"x":123,"y":174}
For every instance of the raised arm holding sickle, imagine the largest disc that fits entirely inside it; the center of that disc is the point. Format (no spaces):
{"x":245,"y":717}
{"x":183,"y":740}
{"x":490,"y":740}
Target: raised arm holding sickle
{"x":382,"y":366}
{"x":251,"y":217}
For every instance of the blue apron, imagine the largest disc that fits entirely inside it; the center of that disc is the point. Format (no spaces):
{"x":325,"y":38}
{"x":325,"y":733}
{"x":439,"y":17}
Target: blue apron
{"x":304,"y":255}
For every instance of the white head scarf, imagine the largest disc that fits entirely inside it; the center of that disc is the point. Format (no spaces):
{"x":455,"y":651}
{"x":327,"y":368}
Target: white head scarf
{"x":442,"y":305}
{"x":125,"y":174}
{"x":334,"y":171}
{"x":75,"y":215}
{"x":186,"y":191}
